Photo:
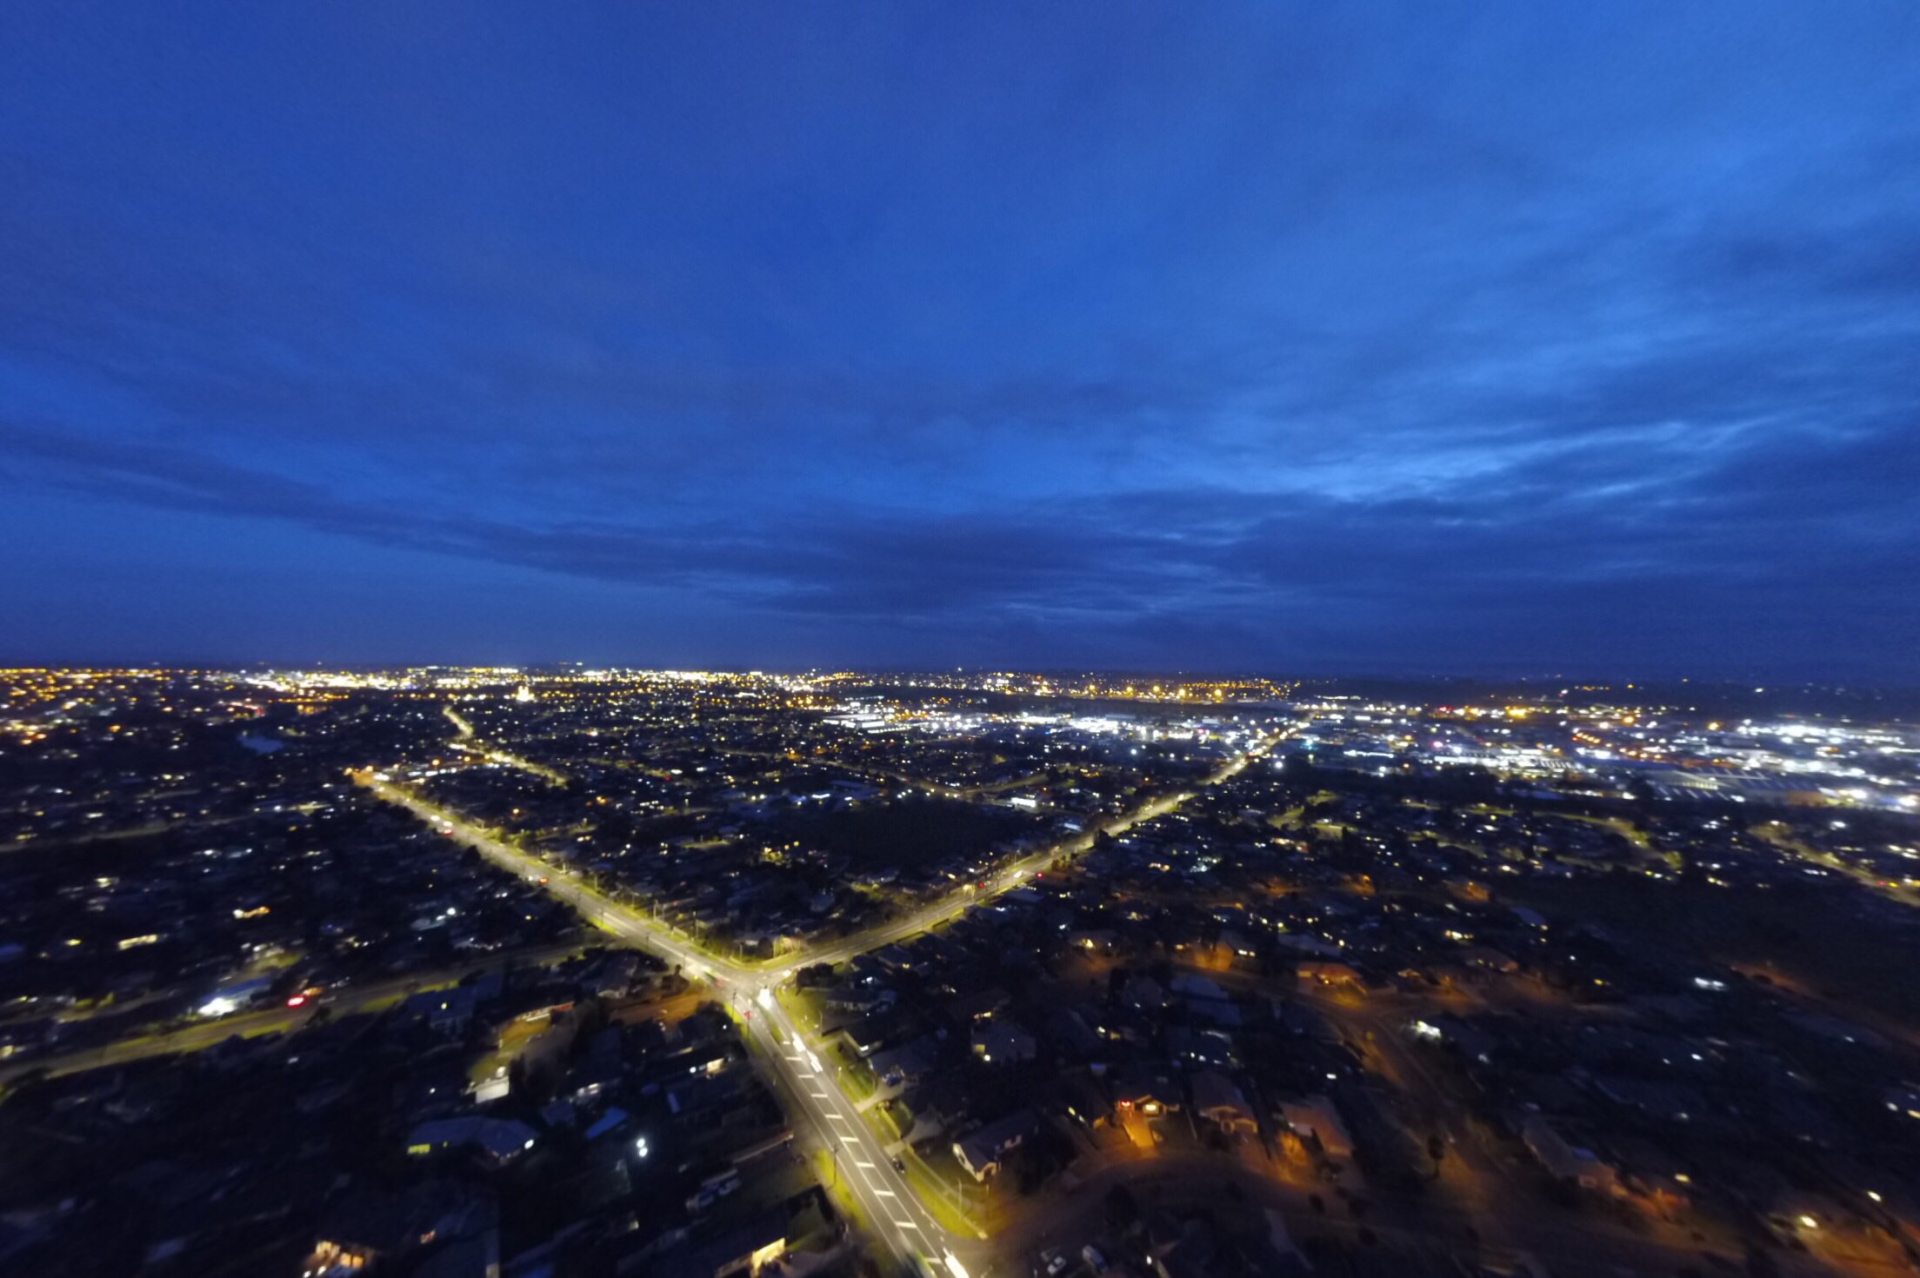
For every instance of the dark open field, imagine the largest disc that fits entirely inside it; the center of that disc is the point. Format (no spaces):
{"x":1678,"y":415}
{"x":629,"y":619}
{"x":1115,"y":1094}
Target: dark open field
{"x":1833,"y":941}
{"x":910,"y":832}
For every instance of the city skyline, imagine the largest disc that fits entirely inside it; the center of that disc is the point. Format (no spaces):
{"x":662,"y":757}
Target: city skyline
{"x":1250,"y":340}
{"x":684,"y":974}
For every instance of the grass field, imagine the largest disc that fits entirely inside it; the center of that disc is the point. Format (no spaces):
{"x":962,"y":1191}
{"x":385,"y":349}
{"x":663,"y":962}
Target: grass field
{"x":907,"y":832}
{"x":1830,"y":939}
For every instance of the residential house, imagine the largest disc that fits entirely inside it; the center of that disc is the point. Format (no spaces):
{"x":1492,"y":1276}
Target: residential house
{"x":1000,"y":1042}
{"x":982,"y":1151}
{"x":1316,"y":1117}
{"x":1218,"y":1099}
{"x":1565,"y":1160}
{"x":495,"y":1141}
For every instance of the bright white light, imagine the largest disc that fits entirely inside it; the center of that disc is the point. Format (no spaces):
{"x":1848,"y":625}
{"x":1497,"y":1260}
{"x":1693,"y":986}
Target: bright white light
{"x":641,"y":1149}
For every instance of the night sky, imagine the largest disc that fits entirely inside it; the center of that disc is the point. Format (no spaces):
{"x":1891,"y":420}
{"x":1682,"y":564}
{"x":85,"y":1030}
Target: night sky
{"x":1492,"y":338}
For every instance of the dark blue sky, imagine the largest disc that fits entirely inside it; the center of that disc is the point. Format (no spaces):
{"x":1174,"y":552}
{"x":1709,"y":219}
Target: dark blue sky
{"x":1484,"y":337}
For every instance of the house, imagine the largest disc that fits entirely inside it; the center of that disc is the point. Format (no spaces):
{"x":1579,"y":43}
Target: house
{"x":1218,"y":1099}
{"x":1564,"y":1160}
{"x":474,"y":1257}
{"x":871,"y":1032}
{"x":749,"y":1248}
{"x":1316,"y":1117}
{"x":976,"y":1004}
{"x":1190,"y":1255}
{"x":1194,"y":985}
{"x":1332,"y":974}
{"x":860,"y":999}
{"x":1082,"y":1100}
{"x":613,"y":976}
{"x":906,"y":1064}
{"x":1200,"y":1049}
{"x":448,"y":1012}
{"x":1671,"y":1102}
{"x":373,"y":1226}
{"x":496,"y":1141}
{"x":1205,"y":999}
{"x":433,"y":1089}
{"x":1137,"y":1091}
{"x":1071,"y":1033}
{"x":981,"y":1152}
{"x":998,"y":1042}
{"x":1488,"y":959}
{"x":1298,"y":1018}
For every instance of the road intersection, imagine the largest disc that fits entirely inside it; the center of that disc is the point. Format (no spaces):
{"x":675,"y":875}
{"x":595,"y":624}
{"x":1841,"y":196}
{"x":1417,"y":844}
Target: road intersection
{"x":894,"y":1212}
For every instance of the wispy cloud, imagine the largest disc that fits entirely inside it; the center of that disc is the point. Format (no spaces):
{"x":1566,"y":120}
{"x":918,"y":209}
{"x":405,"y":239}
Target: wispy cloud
{"x":1230,"y":340}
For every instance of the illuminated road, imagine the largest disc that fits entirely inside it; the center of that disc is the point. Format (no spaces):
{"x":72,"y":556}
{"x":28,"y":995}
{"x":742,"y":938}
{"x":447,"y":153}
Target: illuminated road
{"x":201,"y":1034}
{"x":895,"y":1213}
{"x":467,"y":742}
{"x":893,"y":1209}
{"x":623,"y":921}
{"x":1011,"y":876}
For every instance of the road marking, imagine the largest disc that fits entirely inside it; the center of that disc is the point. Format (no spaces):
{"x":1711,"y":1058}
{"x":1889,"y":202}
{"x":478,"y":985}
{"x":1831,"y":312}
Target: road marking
{"x":886,"y":1193}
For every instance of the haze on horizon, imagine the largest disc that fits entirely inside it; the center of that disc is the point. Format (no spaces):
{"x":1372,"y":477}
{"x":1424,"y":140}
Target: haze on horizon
{"x":1486,"y":338}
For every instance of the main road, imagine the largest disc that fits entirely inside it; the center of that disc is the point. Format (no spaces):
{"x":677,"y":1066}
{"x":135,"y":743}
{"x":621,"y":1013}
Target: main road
{"x":893,"y":1210}
{"x":199,"y":1035}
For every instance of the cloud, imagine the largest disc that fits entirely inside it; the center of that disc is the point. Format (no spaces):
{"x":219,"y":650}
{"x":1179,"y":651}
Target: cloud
{"x":1523,"y":341}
